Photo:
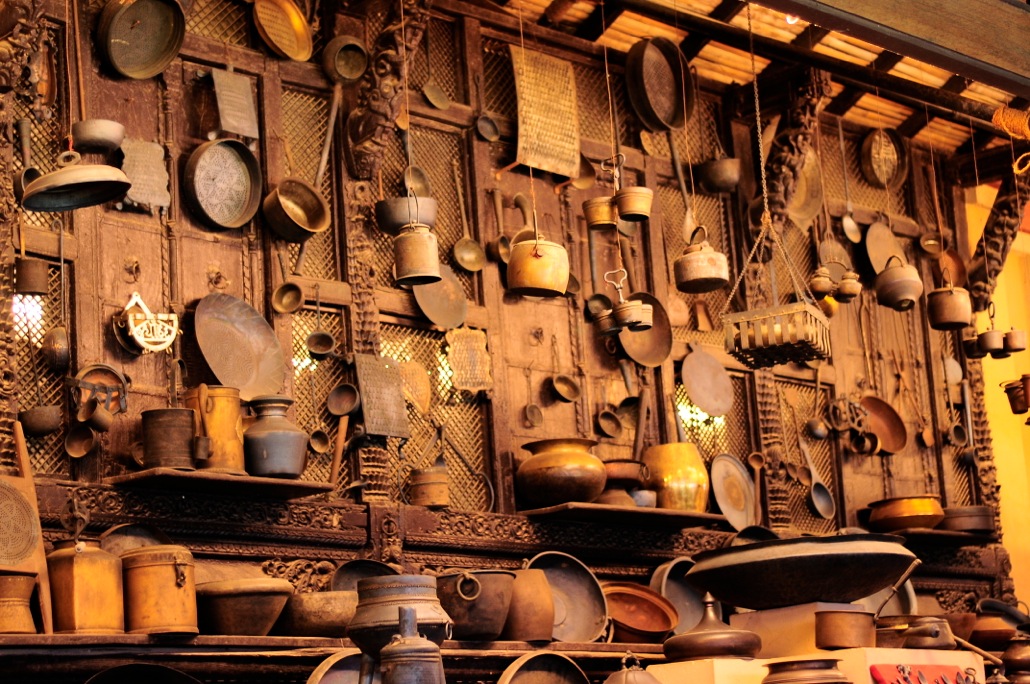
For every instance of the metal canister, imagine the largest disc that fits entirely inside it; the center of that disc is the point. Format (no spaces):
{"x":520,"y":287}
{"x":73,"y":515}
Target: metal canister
{"x":410,"y":658}
{"x":168,"y":438}
{"x":85,"y":588}
{"x":375,"y":620}
{"x":218,"y":417}
{"x":160,"y":590}
{"x":430,"y":486}
{"x":416,"y":257}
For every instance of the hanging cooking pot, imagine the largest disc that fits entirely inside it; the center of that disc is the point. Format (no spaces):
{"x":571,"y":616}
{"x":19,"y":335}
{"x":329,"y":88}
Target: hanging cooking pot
{"x":97,"y":135}
{"x":31,"y":276}
{"x":222,"y":181}
{"x":898,"y":286}
{"x":394,"y":213}
{"x":949,"y":307}
{"x":634,"y":203}
{"x":600,"y":213}
{"x":295,"y":210}
{"x":344,"y":58}
{"x":538,"y":268}
{"x":416,"y":257}
{"x":701,"y":268}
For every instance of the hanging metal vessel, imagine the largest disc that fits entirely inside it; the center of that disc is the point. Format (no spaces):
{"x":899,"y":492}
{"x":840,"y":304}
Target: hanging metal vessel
{"x":75,"y":186}
{"x":140,"y":38}
{"x":222,"y":181}
{"x":701,"y":268}
{"x":416,"y":257}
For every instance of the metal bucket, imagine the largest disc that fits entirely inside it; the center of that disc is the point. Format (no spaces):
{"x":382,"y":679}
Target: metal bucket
{"x":218,"y":417}
{"x":477,"y":601}
{"x":15,"y":591}
{"x":168,"y":438}
{"x":430,"y":487}
{"x":31,"y":276}
{"x":416,"y":257}
{"x":160,"y":590}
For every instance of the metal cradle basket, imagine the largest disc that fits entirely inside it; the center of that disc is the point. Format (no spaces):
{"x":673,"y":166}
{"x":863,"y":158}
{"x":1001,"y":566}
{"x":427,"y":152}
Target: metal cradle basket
{"x":773,"y":335}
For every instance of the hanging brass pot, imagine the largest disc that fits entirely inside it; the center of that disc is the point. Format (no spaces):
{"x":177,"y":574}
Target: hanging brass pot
{"x":701,"y":268}
{"x":898,"y":286}
{"x":74,"y":186}
{"x":949,"y":307}
{"x":416,"y":256}
{"x":634,"y":203}
{"x":600,"y":213}
{"x":538,"y":268}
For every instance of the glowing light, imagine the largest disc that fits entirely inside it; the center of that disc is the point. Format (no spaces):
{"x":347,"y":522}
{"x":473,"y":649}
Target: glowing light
{"x":28,"y":318}
{"x":693,"y":416}
{"x":792,"y":19}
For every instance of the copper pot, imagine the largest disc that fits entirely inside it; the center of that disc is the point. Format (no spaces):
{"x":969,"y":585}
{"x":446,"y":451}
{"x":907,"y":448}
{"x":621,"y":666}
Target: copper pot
{"x":701,"y":268}
{"x":634,"y":203}
{"x":538,"y":268}
{"x":600,"y":212}
{"x":531,"y":609}
{"x":949,"y":308}
{"x":416,"y":256}
{"x":559,"y":471}
{"x":477,"y":601}
{"x":836,"y":629}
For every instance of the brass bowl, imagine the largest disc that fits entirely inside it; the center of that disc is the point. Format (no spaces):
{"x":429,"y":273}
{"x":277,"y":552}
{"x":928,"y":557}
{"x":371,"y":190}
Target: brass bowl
{"x":905,"y":512}
{"x":639,"y":615}
{"x":245,"y":606}
{"x":317,"y":614}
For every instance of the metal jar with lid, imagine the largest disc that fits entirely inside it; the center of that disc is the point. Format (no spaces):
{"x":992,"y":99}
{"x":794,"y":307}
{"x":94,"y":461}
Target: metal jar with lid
{"x":701,"y":268}
{"x":85,"y":588}
{"x":160,"y":590}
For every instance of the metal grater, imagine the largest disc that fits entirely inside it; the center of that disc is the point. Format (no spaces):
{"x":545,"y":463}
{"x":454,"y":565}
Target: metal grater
{"x":382,"y":392}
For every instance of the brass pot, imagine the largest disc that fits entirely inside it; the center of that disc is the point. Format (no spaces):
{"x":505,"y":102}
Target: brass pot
{"x":559,"y":471}
{"x":898,"y":286}
{"x":719,"y":175}
{"x":317,"y":614}
{"x":634,"y":203}
{"x":376,"y":619}
{"x":538,"y":268}
{"x":679,"y":476}
{"x":85,"y":589}
{"x":968,"y":519}
{"x":1016,"y":396}
{"x":639,"y":614}
{"x":477,"y":601}
{"x":600,"y":212}
{"x":701,"y":268}
{"x":15,"y":592}
{"x":904,"y":512}
{"x":531,"y":609}
{"x":835,"y":629}
{"x":949,"y":308}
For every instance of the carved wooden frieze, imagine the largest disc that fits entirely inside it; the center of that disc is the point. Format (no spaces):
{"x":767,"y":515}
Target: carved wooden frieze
{"x":381,"y":99}
{"x":305,"y":575}
{"x":999,"y":232}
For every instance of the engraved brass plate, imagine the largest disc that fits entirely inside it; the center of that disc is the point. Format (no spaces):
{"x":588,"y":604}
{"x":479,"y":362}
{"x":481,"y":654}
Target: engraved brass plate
{"x":236,"y":110}
{"x":548,"y":120}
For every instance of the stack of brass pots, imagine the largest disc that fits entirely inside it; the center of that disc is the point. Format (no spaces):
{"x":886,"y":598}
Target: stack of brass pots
{"x":85,"y":588}
{"x":843,"y":291}
{"x":477,"y":601}
{"x":898,"y":286}
{"x":375,"y":620}
{"x":416,"y":253}
{"x":701,"y":268}
{"x":160,"y":590}
{"x":410,"y":658}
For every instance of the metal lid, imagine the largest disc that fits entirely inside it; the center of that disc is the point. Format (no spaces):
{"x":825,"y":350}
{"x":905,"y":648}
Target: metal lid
{"x":74,"y":187}
{"x":156,"y":555}
{"x":282,"y":26}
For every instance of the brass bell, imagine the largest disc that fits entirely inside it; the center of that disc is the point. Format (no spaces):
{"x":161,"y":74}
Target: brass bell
{"x":820,"y":282}
{"x":848,"y":288}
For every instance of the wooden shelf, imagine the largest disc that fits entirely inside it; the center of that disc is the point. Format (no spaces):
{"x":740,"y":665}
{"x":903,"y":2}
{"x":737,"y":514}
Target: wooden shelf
{"x":208,"y":482}
{"x":627,"y":515}
{"x":927,"y":536}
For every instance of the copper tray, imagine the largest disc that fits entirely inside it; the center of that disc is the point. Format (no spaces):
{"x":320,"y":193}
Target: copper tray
{"x":140,"y":38}
{"x":283,"y":28}
{"x":239,"y":346}
{"x":788,"y":572}
{"x":807,"y":201}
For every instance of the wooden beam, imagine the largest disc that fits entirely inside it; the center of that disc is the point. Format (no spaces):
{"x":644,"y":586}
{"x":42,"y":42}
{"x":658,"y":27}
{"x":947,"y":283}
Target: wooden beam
{"x":555,"y":12}
{"x":989,"y":165}
{"x":692,"y":45}
{"x":916,"y":95}
{"x":811,"y":36}
{"x":918,"y":120}
{"x":849,"y":97}
{"x":980,"y":139}
{"x":594,"y":26}
{"x":984,"y":40}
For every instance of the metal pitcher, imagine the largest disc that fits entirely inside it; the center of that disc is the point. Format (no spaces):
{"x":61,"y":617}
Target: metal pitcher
{"x":217,"y":416}
{"x":701,"y":268}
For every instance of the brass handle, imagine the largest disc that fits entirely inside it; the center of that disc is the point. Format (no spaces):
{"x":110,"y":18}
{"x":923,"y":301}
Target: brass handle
{"x":180,"y":573}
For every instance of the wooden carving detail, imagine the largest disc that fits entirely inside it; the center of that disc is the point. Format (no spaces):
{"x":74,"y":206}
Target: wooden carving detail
{"x":770,"y":427}
{"x":305,"y":575}
{"x":986,"y":472}
{"x":381,"y":100}
{"x":1001,"y":229}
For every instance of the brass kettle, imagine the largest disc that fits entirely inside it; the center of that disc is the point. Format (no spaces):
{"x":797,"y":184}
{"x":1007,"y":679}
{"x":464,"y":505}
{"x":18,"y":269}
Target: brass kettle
{"x":898,"y":286}
{"x":701,"y":268}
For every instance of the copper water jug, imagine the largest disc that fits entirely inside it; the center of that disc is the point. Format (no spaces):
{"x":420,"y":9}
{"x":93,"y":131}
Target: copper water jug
{"x":375,"y":620}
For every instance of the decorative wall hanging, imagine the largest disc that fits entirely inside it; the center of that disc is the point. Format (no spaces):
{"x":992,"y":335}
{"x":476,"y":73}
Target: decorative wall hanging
{"x":144,"y":165}
{"x":237,"y":112}
{"x":141,"y":331}
{"x":883,"y":157}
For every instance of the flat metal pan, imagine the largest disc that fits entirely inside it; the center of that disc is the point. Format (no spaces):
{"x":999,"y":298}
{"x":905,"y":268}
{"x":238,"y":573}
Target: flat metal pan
{"x":443,"y":302}
{"x":658,"y":85}
{"x":649,"y":347}
{"x":883,"y":421}
{"x":733,"y":490}
{"x":223,"y":183}
{"x":807,"y":201}
{"x":239,"y":346}
{"x":706,"y":382}
{"x":140,"y":38}
{"x":881,"y":245}
{"x":283,"y":28}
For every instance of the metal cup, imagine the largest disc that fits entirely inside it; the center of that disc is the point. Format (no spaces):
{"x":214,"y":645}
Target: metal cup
{"x":95,"y":414}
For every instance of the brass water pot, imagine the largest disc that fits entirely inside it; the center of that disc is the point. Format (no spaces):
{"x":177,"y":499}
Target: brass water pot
{"x":160,"y":590}
{"x":15,"y":592}
{"x":679,"y":476}
{"x":85,"y":588}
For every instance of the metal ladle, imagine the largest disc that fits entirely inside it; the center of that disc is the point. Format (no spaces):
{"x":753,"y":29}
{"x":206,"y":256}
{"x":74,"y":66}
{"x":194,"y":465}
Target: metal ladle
{"x":531,"y":413}
{"x":756,"y":459}
{"x":819,"y":494}
{"x":467,"y":253}
{"x":29,"y":172}
{"x":55,"y":347}
{"x":320,"y":343}
{"x":435,"y":95}
{"x":318,"y":438}
{"x":852,"y":231}
{"x":608,"y":422}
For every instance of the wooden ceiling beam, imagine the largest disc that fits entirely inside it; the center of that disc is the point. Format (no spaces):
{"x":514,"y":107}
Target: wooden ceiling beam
{"x":910,"y":93}
{"x":555,"y":12}
{"x":849,"y":97}
{"x":989,"y":165}
{"x":594,"y":26}
{"x":811,"y":36}
{"x":980,"y":139}
{"x":918,"y":120}
{"x":984,"y":40}
{"x":692,"y":45}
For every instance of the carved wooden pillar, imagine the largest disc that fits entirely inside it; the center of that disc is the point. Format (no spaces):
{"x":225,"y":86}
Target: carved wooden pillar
{"x":1001,"y":229}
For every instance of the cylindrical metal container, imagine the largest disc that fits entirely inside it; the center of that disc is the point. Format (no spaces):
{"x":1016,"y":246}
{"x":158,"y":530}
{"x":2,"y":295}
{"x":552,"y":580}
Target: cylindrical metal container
{"x":168,"y":438}
{"x":410,"y":658}
{"x":531,"y":610}
{"x":430,"y":486}
{"x":679,"y":475}
{"x":160,"y":590}
{"x":218,"y":417}
{"x":375,"y":619}
{"x":31,"y":276}
{"x":15,"y":592}
{"x":85,"y":588}
{"x":835,"y":629}
{"x":477,"y":601}
{"x":416,"y":257}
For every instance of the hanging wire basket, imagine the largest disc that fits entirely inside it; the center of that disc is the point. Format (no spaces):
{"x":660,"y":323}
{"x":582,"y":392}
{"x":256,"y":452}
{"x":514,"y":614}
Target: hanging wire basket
{"x":772,"y":335}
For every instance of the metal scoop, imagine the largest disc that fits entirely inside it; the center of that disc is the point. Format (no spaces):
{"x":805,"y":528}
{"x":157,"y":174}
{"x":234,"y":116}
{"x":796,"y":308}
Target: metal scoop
{"x":435,"y":95}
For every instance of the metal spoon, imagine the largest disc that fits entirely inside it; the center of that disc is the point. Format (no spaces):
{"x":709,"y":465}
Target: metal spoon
{"x":320,"y":343}
{"x":318,"y":438}
{"x":818,"y":493}
{"x":756,"y":459}
{"x":531,"y":413}
{"x":55,"y":347}
{"x":467,"y":253}
{"x":435,"y":95}
{"x":852,"y":231}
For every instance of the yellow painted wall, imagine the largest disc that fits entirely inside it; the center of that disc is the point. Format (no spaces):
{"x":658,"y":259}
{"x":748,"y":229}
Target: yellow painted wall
{"x":1010,"y":435}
